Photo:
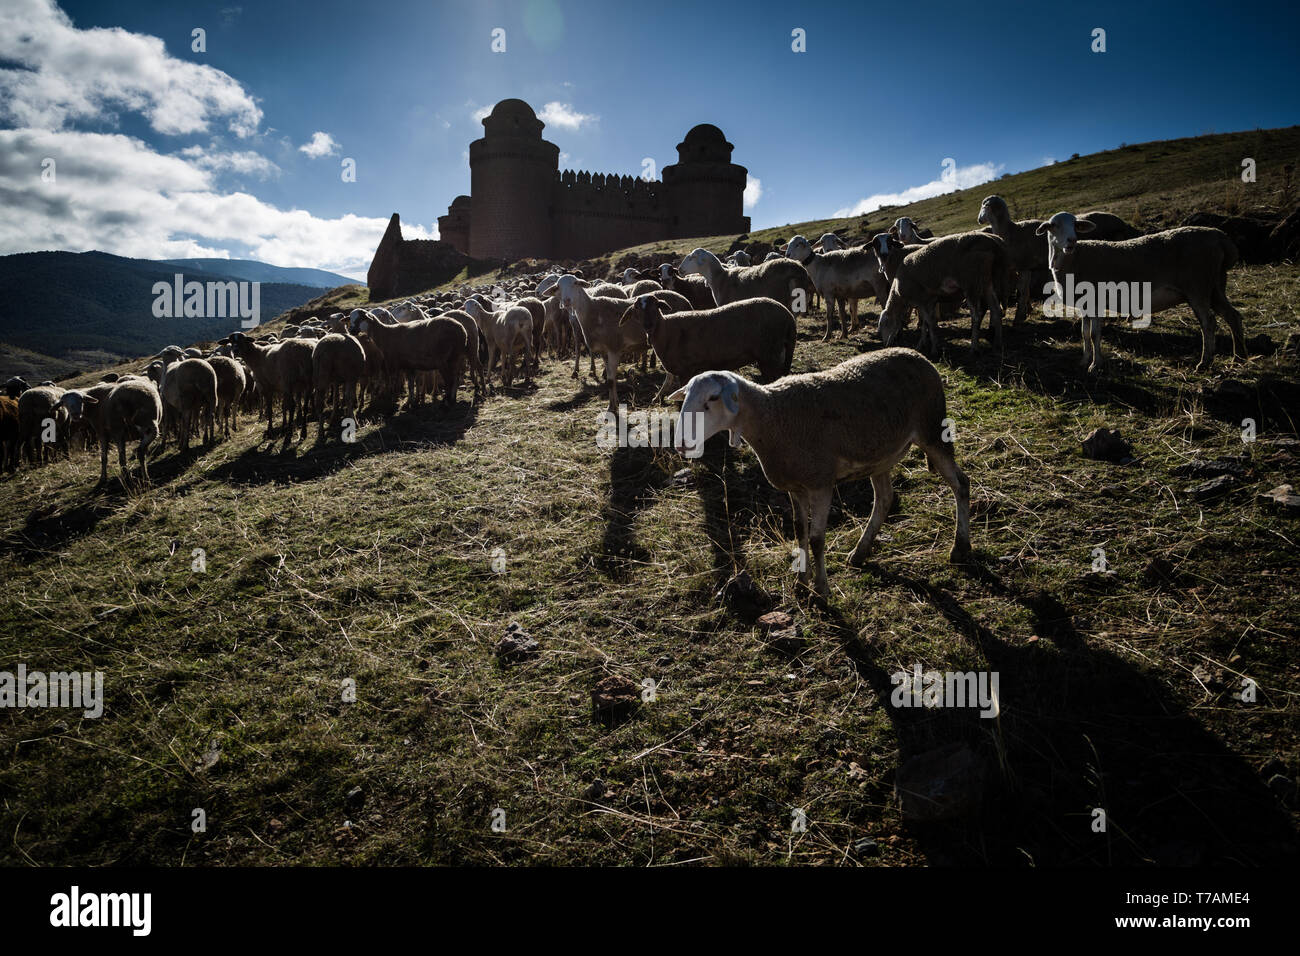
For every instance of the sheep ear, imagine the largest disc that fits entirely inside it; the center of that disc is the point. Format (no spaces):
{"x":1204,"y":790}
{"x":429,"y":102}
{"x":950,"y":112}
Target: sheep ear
{"x":731,"y":397}
{"x":89,"y":400}
{"x":1042,"y":228}
{"x":678,"y":396}
{"x":628,"y":313}
{"x":1084,"y":226}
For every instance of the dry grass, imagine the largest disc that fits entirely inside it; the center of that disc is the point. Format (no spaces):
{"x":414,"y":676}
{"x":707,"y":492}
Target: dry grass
{"x":372,"y":562}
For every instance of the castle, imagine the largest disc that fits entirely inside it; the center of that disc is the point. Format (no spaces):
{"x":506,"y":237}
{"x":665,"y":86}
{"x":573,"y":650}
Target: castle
{"x":522,"y":206}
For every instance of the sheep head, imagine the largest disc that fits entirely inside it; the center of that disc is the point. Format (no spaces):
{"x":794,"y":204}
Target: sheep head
{"x":1063,"y":231}
{"x":710,"y":404}
{"x":646,"y":308}
{"x":992,"y":207}
{"x":77,"y":403}
{"x":799,"y":249}
{"x":892,"y":316}
{"x":694,"y":263}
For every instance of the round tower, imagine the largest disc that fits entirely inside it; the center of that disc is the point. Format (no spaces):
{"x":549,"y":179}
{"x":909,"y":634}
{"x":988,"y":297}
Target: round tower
{"x":706,"y":190}
{"x":512,"y":173}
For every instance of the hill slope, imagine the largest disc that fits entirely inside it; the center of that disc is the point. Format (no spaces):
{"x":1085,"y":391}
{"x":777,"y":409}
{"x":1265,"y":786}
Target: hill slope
{"x":60,"y":304}
{"x":255,"y":271}
{"x":375,"y":567}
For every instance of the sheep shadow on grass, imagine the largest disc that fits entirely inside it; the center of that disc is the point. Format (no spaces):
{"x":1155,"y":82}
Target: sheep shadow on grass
{"x":1079,"y":728}
{"x":407,"y":430}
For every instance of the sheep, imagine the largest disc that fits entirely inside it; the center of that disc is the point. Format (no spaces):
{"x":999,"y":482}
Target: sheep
{"x":694,"y":288}
{"x":1189,"y":264}
{"x":829,"y":242}
{"x":435,"y":344}
{"x":283,"y":369}
{"x":777,"y":279}
{"x":338,"y":362}
{"x":599,"y":320}
{"x":10,"y":433}
{"x":850,"y":274}
{"x":1025,"y":245}
{"x":38,"y":407}
{"x":505,"y":330}
{"x":231,"y":382}
{"x":907,"y":232}
{"x":132,"y":406}
{"x":739,"y":258}
{"x":15,"y":387}
{"x":973,"y":263}
{"x":472,"y":339}
{"x":672,"y":302}
{"x":189,"y":388}
{"x":750,"y":332}
{"x":85,"y":408}
{"x":810,"y":431}
{"x":642,"y":287}
{"x":537,"y":308}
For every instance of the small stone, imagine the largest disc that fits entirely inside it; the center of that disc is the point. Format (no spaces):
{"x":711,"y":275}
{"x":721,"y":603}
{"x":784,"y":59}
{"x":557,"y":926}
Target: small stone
{"x":743,"y":596}
{"x":1283,"y":498}
{"x":354,"y":798}
{"x":683,"y":477}
{"x":775,"y":621}
{"x":1105,"y":444}
{"x":866,"y":847}
{"x":1214,"y":488}
{"x":614,"y":699}
{"x":517,"y":646}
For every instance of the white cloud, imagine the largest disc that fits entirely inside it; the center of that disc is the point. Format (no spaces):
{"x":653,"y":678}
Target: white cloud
{"x":753,"y":191}
{"x":959,"y":177}
{"x":321,"y":144}
{"x":481,"y":113}
{"x":244,"y":163}
{"x":1048,"y":161}
{"x":56,"y":74}
{"x":565,"y":116}
{"x":116,"y":194}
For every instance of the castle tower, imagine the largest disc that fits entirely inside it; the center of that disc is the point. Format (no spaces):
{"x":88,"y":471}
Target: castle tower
{"x":512,"y":173}
{"x":454,"y":228}
{"x":706,"y":190}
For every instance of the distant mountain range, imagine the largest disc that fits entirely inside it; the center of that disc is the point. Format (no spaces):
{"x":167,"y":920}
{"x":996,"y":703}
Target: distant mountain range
{"x":253,"y":271}
{"x":62,"y":310}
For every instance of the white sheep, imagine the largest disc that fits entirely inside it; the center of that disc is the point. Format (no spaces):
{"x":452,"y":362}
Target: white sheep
{"x":840,"y":275}
{"x":810,"y":431}
{"x":778,"y":279}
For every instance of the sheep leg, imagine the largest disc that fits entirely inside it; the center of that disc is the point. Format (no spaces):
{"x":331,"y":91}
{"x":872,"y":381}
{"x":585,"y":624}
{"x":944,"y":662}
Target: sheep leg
{"x":103,"y":460}
{"x":830,"y":317}
{"x":995,"y":316}
{"x":1094,"y":326}
{"x":976,"y":320}
{"x":611,"y":376}
{"x":940,"y":459}
{"x":1205,"y":315}
{"x":318,"y":408}
{"x":1219,"y":299}
{"x":121,"y":459}
{"x":801,"y":534}
{"x":819,"y":510}
{"x":1022,"y":298}
{"x":882,"y":487}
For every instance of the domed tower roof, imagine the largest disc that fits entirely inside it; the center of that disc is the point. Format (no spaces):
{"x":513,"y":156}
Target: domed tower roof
{"x":704,"y":144}
{"x":460,"y":202}
{"x":513,"y":118}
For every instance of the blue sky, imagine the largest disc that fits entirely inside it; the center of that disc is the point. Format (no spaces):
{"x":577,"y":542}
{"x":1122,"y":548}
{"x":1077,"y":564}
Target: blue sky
{"x":162,"y":151}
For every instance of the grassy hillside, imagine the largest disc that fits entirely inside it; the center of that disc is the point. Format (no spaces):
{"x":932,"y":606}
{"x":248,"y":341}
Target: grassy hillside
{"x":372,"y":564}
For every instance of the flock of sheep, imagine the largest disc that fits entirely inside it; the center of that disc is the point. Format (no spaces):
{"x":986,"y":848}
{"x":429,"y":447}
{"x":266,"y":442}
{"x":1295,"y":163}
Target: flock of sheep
{"x":701,"y":320}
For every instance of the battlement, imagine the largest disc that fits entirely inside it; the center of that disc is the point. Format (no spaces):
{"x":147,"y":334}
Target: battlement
{"x":522,"y":205}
